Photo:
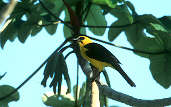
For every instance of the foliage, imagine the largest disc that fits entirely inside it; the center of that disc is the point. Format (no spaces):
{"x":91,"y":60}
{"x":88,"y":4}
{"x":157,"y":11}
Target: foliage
{"x":4,"y":90}
{"x":29,"y":17}
{"x":55,"y":68}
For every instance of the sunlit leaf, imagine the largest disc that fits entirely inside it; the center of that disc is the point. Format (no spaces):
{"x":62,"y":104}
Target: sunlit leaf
{"x":96,"y":18}
{"x":110,"y":3}
{"x":166,"y":20}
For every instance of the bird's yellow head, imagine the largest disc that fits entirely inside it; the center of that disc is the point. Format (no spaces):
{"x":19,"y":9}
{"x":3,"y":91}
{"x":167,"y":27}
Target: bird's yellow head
{"x":83,"y":40}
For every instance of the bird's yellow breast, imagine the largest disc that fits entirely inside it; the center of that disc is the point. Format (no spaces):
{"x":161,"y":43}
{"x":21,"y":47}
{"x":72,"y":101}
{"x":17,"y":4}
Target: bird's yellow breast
{"x":98,"y":64}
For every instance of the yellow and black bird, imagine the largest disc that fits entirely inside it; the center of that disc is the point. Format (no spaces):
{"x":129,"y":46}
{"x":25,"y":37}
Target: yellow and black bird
{"x":100,"y":57}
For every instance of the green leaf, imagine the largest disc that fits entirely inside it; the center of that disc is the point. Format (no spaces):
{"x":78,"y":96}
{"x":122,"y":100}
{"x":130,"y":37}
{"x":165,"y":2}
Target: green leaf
{"x":24,"y":31}
{"x":67,"y":31}
{"x":160,"y":42}
{"x":131,"y":6}
{"x":140,"y":41}
{"x":6,"y":89}
{"x":166,"y":21}
{"x":54,"y":100}
{"x":72,"y":2}
{"x":55,"y":6}
{"x":96,"y":18}
{"x":35,"y":30}
{"x":114,"y":32}
{"x":161,"y":69}
{"x":146,"y":19}
{"x":55,"y":68}
{"x":51,"y":29}
{"x":123,"y":14}
{"x":82,"y":91}
{"x":9,"y":33}
{"x":110,"y":3}
{"x":158,"y":31}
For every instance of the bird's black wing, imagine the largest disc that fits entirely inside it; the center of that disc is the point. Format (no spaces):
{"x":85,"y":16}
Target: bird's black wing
{"x":100,"y":53}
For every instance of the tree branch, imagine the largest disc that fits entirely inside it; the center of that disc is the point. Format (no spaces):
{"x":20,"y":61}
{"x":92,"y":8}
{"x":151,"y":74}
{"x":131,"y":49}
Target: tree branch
{"x":7,"y":10}
{"x":129,"y":100}
{"x":95,"y":95}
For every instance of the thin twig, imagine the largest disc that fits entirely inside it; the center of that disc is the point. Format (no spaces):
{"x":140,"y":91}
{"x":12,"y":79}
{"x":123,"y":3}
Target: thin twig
{"x":132,"y":101}
{"x":25,"y":81}
{"x":64,"y":48}
{"x":76,"y":97}
{"x":133,"y":50}
{"x":121,"y":26}
{"x":68,"y":54}
{"x":53,"y":23}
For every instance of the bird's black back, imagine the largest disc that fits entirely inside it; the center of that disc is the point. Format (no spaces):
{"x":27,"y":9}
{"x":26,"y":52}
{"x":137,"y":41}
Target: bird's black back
{"x":100,"y":53}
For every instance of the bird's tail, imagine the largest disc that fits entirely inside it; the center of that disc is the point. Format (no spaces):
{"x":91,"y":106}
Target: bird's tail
{"x":124,"y":75}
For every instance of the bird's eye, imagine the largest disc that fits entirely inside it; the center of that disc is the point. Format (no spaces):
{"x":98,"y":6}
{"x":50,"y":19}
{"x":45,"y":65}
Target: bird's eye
{"x":81,"y":38}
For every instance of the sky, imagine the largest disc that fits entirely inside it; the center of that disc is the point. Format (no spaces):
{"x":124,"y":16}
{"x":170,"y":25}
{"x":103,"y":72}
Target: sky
{"x":20,"y":60}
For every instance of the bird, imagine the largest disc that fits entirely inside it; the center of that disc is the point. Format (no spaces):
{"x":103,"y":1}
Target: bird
{"x":100,"y":57}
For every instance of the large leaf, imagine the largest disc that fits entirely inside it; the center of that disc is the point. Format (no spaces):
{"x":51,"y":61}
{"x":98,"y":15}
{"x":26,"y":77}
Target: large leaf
{"x":4,"y":90}
{"x":161,"y":69}
{"x":96,"y":18}
{"x":55,"y":68}
{"x":160,"y":42}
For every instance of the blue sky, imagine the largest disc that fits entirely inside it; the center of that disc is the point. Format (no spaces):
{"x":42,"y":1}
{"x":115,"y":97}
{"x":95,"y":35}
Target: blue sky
{"x":20,"y":60}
